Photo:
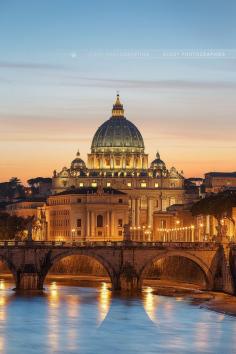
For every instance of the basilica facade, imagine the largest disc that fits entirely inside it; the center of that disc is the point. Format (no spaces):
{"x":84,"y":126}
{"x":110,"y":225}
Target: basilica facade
{"x":118,"y":160}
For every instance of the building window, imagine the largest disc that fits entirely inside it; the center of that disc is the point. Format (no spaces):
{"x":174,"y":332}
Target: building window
{"x":156,"y":185}
{"x":79,"y":222}
{"x":172,"y":185}
{"x":120,"y":233}
{"x":99,"y":221}
{"x":99,"y":233}
{"x":108,"y":184}
{"x":120,"y":222}
{"x":163,"y":224}
{"x":157,"y":203}
{"x":117,"y":162}
{"x":79,"y":200}
{"x":129,"y":184}
{"x":120,"y":201}
{"x":143,"y":184}
{"x":81,"y":184}
{"x":78,"y":232}
{"x":94,"y":184}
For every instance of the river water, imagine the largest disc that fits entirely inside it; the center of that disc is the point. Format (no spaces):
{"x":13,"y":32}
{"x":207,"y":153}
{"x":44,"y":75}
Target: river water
{"x":91,"y":320}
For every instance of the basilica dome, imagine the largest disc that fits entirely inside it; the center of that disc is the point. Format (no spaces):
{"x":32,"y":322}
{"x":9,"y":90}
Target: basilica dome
{"x":78,"y":164}
{"x":117,"y":134}
{"x":158,"y":164}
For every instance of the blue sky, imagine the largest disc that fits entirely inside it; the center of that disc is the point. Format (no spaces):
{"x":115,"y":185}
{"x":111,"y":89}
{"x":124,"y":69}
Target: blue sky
{"x":61,"y":62}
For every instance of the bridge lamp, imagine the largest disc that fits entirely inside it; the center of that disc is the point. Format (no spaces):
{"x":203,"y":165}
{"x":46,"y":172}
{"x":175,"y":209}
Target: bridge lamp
{"x":72,"y":234}
{"x":177,"y":222}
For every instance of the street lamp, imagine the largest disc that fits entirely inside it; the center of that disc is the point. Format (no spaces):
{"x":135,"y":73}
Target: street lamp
{"x":72,"y":234}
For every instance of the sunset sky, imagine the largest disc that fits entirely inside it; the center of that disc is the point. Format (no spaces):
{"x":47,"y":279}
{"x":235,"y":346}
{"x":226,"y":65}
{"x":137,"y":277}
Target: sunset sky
{"x":62,"y":61}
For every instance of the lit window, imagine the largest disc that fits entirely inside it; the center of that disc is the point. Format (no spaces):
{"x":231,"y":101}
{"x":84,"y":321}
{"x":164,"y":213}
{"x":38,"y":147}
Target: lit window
{"x":108,"y":184}
{"x":94,"y":184}
{"x":81,"y":184}
{"x":120,"y":222}
{"x":129,"y":184}
{"x":143,"y":184}
{"x":156,"y":185}
{"x":99,"y":221}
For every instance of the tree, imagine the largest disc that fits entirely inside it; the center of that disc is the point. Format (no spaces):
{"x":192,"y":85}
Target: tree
{"x":219,"y":205}
{"x":10,"y":226}
{"x":12,"y":189}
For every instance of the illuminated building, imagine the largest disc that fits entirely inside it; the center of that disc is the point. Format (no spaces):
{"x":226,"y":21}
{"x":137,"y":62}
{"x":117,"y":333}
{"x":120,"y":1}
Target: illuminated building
{"x":118,"y":160}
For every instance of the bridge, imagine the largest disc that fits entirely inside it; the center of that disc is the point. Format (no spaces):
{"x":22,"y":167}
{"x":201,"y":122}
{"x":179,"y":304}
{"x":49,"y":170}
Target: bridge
{"x":125,"y":262}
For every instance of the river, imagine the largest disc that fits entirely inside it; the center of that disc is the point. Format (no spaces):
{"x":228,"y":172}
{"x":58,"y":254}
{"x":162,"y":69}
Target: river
{"x":90,"y":319}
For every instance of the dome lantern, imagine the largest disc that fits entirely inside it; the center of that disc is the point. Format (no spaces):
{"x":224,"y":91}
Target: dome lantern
{"x":118,"y":110}
{"x":158,"y":164}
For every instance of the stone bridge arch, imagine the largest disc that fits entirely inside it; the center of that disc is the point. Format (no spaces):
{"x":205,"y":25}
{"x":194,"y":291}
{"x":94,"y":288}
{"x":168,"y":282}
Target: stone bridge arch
{"x":57,"y":256}
{"x":202,"y":265}
{"x":10,"y":266}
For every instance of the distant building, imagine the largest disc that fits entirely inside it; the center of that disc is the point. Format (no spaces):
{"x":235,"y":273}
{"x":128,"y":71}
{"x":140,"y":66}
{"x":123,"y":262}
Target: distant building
{"x":219,"y":181}
{"x":87,"y":214}
{"x":25,"y":208}
{"x":118,"y":160}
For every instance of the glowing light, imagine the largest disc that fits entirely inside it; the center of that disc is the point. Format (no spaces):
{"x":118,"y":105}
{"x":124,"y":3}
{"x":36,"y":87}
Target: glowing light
{"x":150,"y":303}
{"x":104,"y":302}
{"x":2,"y":284}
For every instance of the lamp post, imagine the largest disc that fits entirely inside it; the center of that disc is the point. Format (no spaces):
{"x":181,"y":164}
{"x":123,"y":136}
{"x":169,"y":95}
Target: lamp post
{"x":72,"y":235}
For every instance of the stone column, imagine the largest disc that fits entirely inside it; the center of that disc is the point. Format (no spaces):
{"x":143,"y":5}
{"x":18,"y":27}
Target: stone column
{"x":137,"y":212}
{"x":132,"y":212}
{"x":108,"y":224}
{"x":112,"y":227}
{"x":92,"y":224}
{"x":87,"y":225}
{"x":149,"y":212}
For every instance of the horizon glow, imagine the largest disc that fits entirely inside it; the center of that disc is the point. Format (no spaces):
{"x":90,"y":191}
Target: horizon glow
{"x":61,"y":63}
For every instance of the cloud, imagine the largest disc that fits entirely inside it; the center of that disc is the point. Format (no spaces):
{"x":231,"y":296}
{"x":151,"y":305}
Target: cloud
{"x":28,"y":65}
{"x":148,"y":84}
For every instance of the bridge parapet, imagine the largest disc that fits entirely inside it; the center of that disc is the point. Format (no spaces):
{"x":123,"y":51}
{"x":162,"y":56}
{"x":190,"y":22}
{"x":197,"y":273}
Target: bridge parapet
{"x":131,"y":244}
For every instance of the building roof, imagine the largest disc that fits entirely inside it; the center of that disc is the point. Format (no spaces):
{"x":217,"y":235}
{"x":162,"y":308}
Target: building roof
{"x":89,"y":190}
{"x":117,"y":132}
{"x":221,"y":174}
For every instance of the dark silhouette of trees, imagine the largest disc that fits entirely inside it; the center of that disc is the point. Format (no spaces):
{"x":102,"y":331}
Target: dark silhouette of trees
{"x":12,"y":189}
{"x":34,"y":183}
{"x":10,"y":226}
{"x":219,"y":205}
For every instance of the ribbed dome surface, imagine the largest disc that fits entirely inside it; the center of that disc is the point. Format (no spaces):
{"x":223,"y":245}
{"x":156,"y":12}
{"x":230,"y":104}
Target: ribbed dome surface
{"x":117,"y":132}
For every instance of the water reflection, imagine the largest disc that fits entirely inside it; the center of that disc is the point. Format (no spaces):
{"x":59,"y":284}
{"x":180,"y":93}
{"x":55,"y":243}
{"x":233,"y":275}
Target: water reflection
{"x":104,"y":300}
{"x":150,"y":303}
{"x":67,"y":319}
{"x":53,"y":317}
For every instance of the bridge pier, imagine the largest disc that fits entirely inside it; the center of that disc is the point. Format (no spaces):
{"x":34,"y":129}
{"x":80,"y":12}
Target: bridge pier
{"x":29,"y":279}
{"x":129,"y":279}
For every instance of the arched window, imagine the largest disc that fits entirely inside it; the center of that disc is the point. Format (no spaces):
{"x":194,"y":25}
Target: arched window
{"x":99,"y":221}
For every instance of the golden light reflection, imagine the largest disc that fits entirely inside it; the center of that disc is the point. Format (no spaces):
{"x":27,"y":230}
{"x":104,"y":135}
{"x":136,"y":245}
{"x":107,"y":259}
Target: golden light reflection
{"x":53,"y":295}
{"x":202,"y":336}
{"x":150,"y":303}
{"x":3,"y":314}
{"x":53,"y":317}
{"x":2,"y":284}
{"x":103,"y":302}
{"x":2,"y":345}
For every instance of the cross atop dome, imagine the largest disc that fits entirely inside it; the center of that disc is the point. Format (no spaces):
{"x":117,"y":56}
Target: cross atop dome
{"x":118,"y":110}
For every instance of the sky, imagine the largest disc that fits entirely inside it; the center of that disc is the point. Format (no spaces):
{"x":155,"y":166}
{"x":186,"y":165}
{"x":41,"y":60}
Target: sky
{"x":62,"y":62}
